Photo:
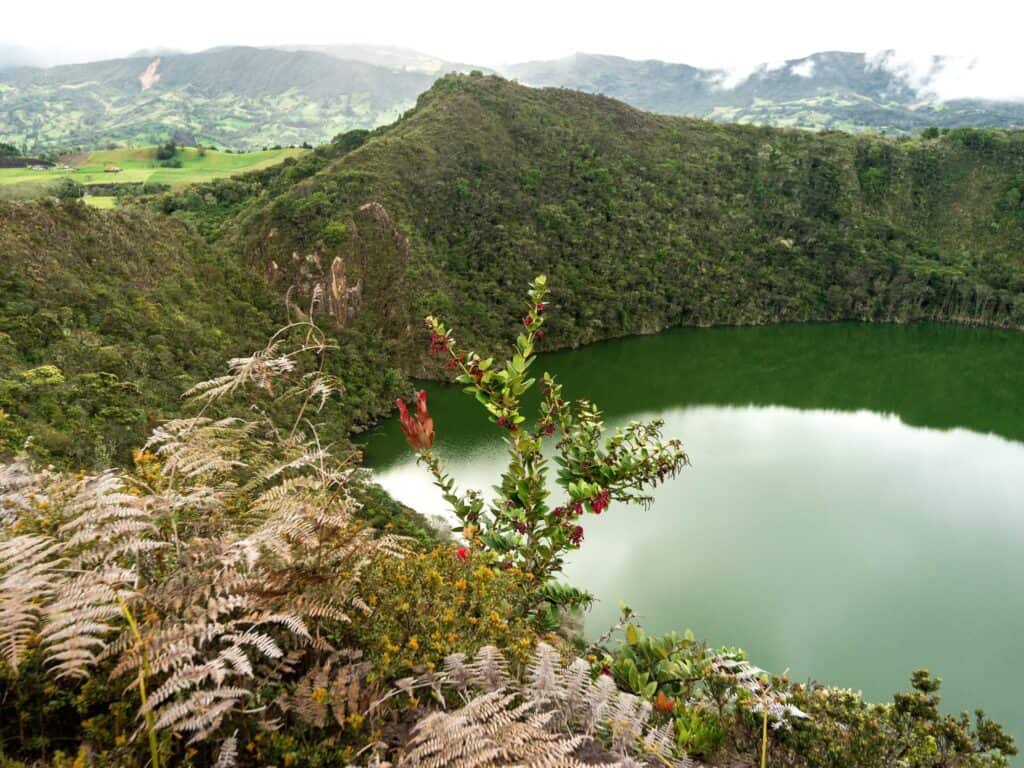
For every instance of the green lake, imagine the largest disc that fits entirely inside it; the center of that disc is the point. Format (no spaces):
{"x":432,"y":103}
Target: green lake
{"x":854,"y":509}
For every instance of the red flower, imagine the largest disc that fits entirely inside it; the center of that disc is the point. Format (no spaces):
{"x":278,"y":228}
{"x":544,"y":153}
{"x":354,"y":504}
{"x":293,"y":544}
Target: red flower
{"x":419,"y":427}
{"x":462,"y":553}
{"x":664,"y":704}
{"x":577,"y":535}
{"x":438,"y":344}
{"x":600,"y":502}
{"x":527,"y":320}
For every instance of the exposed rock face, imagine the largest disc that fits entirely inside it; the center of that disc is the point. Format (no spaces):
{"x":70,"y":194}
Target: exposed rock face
{"x":149,"y":78}
{"x":365,"y":281}
{"x":343,"y":301}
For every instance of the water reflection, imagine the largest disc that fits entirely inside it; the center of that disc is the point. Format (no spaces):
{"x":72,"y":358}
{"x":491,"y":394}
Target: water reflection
{"x":855,"y":508}
{"x":846,"y":546}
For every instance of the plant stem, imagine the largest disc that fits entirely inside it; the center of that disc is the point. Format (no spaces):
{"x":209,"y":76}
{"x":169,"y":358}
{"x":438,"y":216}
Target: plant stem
{"x":764,"y":738}
{"x":154,"y":749}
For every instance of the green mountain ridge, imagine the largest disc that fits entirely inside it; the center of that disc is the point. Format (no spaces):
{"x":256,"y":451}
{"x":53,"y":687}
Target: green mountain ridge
{"x":645,"y":222}
{"x":641,"y":222}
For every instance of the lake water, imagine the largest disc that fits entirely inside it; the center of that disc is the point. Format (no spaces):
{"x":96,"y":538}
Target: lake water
{"x":855,"y":507}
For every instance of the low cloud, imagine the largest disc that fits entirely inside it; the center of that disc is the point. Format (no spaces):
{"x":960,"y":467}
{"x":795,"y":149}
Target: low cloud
{"x":804,"y":69}
{"x":944,"y":78}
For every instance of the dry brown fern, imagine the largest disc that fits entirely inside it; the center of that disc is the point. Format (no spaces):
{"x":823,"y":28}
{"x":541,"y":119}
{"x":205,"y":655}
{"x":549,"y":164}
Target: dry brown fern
{"x":492,"y":729}
{"x":205,"y":586}
{"x":541,"y":721}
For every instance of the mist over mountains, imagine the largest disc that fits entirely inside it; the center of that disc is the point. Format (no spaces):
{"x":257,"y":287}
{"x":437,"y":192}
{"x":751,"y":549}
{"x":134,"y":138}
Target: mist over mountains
{"x":247,"y":97}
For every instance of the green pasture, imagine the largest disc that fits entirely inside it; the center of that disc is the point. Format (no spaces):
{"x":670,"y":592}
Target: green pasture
{"x":140,"y":165}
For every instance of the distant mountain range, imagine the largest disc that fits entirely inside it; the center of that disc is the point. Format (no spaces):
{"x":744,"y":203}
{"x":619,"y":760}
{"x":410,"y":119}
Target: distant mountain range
{"x":830,"y":90}
{"x":232,"y":97}
{"x":244,"y":98}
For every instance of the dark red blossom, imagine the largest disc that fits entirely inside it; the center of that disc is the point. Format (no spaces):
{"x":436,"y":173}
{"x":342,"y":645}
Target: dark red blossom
{"x":549,"y":429}
{"x":527,"y":320}
{"x":418,"y":428}
{"x":541,"y":307}
{"x":520,"y":527}
{"x":539,"y":334}
{"x":600,"y":502}
{"x":438,"y":344}
{"x":576,"y":536}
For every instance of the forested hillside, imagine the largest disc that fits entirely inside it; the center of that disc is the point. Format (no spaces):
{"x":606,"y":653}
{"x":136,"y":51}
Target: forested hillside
{"x":642,"y":223}
{"x":106,"y":318}
{"x":647,"y":222}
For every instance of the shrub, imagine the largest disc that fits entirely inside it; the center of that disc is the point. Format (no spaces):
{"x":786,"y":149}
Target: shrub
{"x":430,"y":604}
{"x":68,"y":189}
{"x":166,"y":150}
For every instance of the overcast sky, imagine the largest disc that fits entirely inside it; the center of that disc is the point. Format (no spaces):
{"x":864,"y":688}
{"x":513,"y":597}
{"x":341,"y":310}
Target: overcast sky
{"x":729,"y":35}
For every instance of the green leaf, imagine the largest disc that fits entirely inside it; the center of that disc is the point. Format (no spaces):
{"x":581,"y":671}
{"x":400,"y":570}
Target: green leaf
{"x":632,"y":635}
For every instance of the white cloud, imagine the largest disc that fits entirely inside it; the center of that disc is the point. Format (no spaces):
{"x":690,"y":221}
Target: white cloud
{"x":804,"y":69}
{"x":989,"y":75}
{"x":735,"y":37}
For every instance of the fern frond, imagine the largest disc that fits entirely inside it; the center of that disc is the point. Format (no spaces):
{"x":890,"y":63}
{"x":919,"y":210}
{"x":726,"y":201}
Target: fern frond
{"x":489,"y":669}
{"x":28,"y":581}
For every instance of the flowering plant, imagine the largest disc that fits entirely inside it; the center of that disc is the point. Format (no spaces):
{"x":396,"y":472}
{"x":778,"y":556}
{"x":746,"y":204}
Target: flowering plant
{"x":520,"y":528}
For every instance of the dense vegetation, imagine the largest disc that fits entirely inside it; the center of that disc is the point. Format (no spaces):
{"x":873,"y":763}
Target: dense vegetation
{"x":221,"y":603}
{"x":240,"y":536}
{"x":104,"y":320}
{"x":648,"y":222}
{"x":106,"y":317}
{"x":643,"y":222}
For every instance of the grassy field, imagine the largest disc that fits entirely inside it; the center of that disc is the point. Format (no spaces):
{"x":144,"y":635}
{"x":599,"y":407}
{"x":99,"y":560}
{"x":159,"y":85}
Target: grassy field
{"x":139,"y":166}
{"x":104,"y":203}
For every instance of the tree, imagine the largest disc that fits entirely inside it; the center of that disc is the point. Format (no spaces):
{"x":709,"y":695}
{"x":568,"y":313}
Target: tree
{"x":166,"y":151}
{"x":68,"y":189}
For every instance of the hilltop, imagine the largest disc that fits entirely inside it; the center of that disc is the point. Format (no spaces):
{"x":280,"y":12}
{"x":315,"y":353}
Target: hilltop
{"x":647,"y":222}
